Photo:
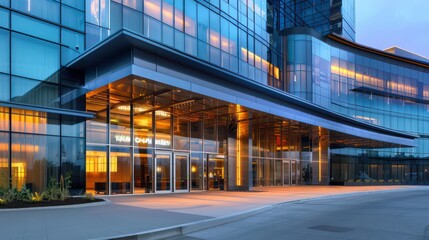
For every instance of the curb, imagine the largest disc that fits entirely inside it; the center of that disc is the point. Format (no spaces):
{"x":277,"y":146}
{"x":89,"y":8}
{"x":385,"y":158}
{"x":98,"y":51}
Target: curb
{"x":105,"y":202}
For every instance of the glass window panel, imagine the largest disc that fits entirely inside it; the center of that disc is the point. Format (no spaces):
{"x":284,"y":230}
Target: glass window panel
{"x":35,"y":27}
{"x":168,"y":35}
{"x":197,"y":135}
{"x":191,"y":17}
{"x":179,"y":40}
{"x":79,"y":4}
{"x":34,"y":92}
{"x":93,"y":11}
{"x":120,"y":130}
{"x":178,"y":15}
{"x":4,"y":87}
{"x":116,"y":17}
{"x":191,"y":45}
{"x":35,"y":160}
{"x":105,"y":13}
{"x":167,"y":12}
{"x":4,"y":3}
{"x":96,"y":169}
{"x":120,"y":170}
{"x":135,"y":4}
{"x":143,"y":165}
{"x":72,"y":18}
{"x":133,"y":20}
{"x":46,"y":9}
{"x":214,"y":29}
{"x":34,"y":58}
{"x":4,"y":119}
{"x":203,"y":23}
{"x":4,"y":18}
{"x":73,"y":161}
{"x":96,"y":130}
{"x":28,"y":121}
{"x":4,"y":51}
{"x":4,"y":160}
{"x":181,"y":134}
{"x":152,"y":28}
{"x":197,"y":171}
{"x":153,"y":8}
{"x":163,"y":129}
{"x":73,"y":126}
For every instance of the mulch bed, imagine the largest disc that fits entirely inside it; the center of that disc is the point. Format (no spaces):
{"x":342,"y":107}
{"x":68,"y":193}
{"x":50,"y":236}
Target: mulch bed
{"x":44,"y":203}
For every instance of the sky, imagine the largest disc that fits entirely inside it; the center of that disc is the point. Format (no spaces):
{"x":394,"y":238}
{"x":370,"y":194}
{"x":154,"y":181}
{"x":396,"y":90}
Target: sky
{"x":385,"y":23}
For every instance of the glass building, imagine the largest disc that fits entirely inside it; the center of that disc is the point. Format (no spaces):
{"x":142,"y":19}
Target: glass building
{"x":152,"y":96}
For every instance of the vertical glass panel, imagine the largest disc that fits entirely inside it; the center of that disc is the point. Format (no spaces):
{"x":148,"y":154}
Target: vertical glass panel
{"x":35,"y":27}
{"x":163,"y":130}
{"x":96,"y":130}
{"x":191,"y":17}
{"x":143,"y":166}
{"x":181,"y":134}
{"x":120,"y":130}
{"x":133,"y":20}
{"x":152,"y":28}
{"x":34,"y":58}
{"x":203,"y":23}
{"x":4,"y":3}
{"x":73,"y":126}
{"x":178,"y":15}
{"x":4,"y":159}
{"x":34,"y":92}
{"x":135,"y":4}
{"x":72,"y":18}
{"x":120,"y":170}
{"x":73,"y":162}
{"x":278,"y":181}
{"x":116,"y":17}
{"x":153,"y":8}
{"x":163,"y":172}
{"x":35,"y":161}
{"x":28,"y":121}
{"x":4,"y":119}
{"x":181,"y":173}
{"x":143,"y":132}
{"x":197,"y":135}
{"x":79,"y":4}
{"x":93,"y":11}
{"x":4,"y":87}
{"x":105,"y":13}
{"x":46,"y":9}
{"x":4,"y":51}
{"x":168,"y":35}
{"x":210,"y":135}
{"x":286,"y":173}
{"x":216,"y":173}
{"x":190,"y":45}
{"x":96,"y":169}
{"x":197,"y":171}
{"x":167,"y":12}
{"x":4,"y":18}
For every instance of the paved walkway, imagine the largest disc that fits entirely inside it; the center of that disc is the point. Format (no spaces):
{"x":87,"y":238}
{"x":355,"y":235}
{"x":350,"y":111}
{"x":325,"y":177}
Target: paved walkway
{"x":132,"y":214}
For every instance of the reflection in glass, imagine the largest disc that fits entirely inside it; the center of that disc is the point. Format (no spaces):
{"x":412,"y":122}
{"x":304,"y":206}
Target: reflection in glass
{"x":197,"y":171}
{"x":181,"y":172}
{"x":96,"y":169}
{"x":163,"y":172}
{"x":4,"y":160}
{"x":73,"y":161}
{"x":143,"y":165}
{"x":120,"y":170}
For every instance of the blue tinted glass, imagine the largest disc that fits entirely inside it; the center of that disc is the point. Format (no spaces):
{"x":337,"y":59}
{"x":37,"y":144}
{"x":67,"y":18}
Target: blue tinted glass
{"x":73,"y":45}
{"x":4,"y":18}
{"x":152,"y":28}
{"x":35,"y":27}
{"x":4,"y":3}
{"x":79,"y":4}
{"x":4,"y":87}
{"x":104,"y":13}
{"x":72,"y":18}
{"x":34,"y":92}
{"x":4,"y":51}
{"x":133,"y":20}
{"x":46,"y":9}
{"x":34,"y":58}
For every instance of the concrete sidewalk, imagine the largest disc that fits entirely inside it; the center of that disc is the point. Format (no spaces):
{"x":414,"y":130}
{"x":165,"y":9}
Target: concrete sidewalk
{"x":129,"y":215}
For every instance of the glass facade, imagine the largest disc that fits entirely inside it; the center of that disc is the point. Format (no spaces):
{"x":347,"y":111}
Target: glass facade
{"x":371,"y":88}
{"x":133,"y":134}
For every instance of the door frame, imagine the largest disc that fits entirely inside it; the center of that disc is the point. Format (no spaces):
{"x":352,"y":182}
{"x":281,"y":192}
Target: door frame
{"x":155,"y":170}
{"x":173,"y":162}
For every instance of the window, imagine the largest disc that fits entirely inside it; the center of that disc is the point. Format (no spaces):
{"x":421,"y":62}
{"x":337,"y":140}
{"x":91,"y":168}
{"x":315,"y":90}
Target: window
{"x":72,"y":18}
{"x":73,"y":45}
{"x":153,"y":8}
{"x":4,"y":18}
{"x":34,"y":92}
{"x":4,"y":88}
{"x":4,"y":51}
{"x":35,"y":27}
{"x":46,"y":9}
{"x":133,"y":20}
{"x":34,"y":58}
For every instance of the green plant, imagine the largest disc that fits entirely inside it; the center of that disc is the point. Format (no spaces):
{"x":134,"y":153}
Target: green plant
{"x":58,"y":190}
{"x":36,"y":197}
{"x":89,"y":196}
{"x":2,"y":201}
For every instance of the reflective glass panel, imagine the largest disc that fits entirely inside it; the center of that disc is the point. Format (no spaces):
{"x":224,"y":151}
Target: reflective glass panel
{"x":143,"y":166}
{"x":46,"y":9}
{"x":4,"y":159}
{"x":120,"y":170}
{"x":96,"y":169}
{"x":35,"y":27}
{"x":4,"y":51}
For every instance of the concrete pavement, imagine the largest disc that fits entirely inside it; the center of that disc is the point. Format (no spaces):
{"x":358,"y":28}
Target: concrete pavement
{"x":128,"y":215}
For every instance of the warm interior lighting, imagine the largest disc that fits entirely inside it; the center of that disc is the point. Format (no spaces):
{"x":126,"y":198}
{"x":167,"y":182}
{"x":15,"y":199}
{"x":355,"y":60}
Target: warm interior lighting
{"x":193,"y":169}
{"x":320,"y":154}
{"x":96,"y":162}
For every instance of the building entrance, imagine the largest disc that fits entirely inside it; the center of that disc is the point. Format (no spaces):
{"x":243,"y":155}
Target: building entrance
{"x":216,"y":172}
{"x":171,"y":172}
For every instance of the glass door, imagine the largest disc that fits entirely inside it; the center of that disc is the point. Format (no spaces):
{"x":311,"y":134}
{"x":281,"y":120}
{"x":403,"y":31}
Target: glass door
{"x":216,"y":172}
{"x":163,"y":172}
{"x":181,"y":172}
{"x":293,"y":172}
{"x":286,"y":173}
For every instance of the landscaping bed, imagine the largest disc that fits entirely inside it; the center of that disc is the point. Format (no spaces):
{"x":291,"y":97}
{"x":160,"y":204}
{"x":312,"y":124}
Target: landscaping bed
{"x":46,"y":203}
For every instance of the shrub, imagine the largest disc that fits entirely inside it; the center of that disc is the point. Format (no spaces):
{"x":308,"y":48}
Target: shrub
{"x":36,"y":197}
{"x":58,"y":191}
{"x":89,"y":196}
